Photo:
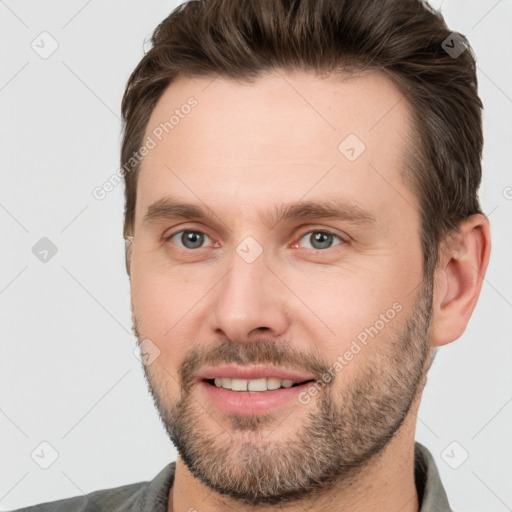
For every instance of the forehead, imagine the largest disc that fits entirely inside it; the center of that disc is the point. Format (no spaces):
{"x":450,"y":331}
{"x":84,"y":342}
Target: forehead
{"x":282,"y":137}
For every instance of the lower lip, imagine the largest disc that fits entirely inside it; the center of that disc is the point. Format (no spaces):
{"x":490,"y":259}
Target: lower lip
{"x":251,"y":402}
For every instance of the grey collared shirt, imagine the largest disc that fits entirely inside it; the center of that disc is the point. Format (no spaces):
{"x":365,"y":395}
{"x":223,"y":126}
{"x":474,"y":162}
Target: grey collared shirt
{"x":153,"y":496}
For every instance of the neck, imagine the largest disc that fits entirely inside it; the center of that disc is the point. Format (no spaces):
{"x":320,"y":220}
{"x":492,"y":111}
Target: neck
{"x":386,"y":483}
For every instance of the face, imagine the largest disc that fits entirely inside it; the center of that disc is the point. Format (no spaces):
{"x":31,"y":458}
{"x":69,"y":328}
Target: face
{"x":277,"y":253}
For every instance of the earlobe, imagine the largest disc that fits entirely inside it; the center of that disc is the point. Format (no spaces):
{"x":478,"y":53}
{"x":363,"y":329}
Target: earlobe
{"x":459,"y":277}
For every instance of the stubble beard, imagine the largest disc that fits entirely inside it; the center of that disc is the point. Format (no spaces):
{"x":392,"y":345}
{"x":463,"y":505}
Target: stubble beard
{"x":343,"y":433}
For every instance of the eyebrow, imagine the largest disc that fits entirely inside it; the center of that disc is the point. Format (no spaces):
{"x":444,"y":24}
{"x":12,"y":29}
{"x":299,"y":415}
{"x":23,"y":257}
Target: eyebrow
{"x":168,"y":208}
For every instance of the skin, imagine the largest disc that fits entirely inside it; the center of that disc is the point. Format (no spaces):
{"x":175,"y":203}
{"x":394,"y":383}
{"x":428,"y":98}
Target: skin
{"x":245,"y":149}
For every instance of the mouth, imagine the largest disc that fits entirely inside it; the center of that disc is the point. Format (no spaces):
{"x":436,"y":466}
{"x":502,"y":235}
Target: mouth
{"x":260,"y":385}
{"x":255,"y":394}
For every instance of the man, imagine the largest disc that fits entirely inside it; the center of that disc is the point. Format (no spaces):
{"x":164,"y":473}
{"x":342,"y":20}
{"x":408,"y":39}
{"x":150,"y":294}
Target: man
{"x":303,"y":232}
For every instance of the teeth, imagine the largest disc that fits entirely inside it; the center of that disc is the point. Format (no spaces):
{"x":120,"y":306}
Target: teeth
{"x":273,"y":383}
{"x":253,"y":384}
{"x":239,"y":384}
{"x":257,"y":385}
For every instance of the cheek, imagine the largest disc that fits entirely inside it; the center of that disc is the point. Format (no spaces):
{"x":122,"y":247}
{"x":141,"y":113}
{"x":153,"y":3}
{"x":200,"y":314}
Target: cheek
{"x":162,"y":300}
{"x":356,"y":303}
{"x":160,"y":292}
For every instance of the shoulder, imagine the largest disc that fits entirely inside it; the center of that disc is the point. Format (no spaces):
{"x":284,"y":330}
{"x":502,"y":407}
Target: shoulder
{"x":114,"y":499}
{"x":141,"y":496}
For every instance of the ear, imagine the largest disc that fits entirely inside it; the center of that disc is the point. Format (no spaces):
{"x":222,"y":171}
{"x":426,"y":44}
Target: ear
{"x":458,"y":278}
{"x":128,"y":248}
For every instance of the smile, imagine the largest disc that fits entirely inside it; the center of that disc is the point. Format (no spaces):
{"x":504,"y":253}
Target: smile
{"x":243,"y":399}
{"x":261,"y":385}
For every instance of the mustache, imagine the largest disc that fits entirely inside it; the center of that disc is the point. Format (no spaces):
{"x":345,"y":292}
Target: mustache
{"x":259,"y":351}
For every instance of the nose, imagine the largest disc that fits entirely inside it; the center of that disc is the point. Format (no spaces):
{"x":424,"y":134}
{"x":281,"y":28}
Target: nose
{"x":250,"y":302}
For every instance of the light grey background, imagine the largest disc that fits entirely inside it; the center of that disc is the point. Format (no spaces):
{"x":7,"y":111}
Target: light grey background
{"x":68,"y":373}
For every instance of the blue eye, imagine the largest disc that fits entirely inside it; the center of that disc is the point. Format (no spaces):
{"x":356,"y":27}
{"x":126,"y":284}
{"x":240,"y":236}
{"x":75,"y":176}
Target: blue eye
{"x":190,"y":239}
{"x":320,"y":240}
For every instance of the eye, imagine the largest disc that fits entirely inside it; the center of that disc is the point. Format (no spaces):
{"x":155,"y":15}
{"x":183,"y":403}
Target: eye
{"x":191,"y":239}
{"x":320,"y":240}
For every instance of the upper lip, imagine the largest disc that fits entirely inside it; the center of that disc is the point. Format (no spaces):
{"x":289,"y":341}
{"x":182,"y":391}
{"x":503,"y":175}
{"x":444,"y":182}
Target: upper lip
{"x":252,"y":372}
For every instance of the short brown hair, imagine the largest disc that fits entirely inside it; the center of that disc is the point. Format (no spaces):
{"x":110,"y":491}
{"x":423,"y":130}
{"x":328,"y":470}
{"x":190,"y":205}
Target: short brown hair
{"x":407,"y":39}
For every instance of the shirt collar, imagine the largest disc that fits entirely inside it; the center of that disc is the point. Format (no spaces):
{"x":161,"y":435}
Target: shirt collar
{"x":431,"y":494}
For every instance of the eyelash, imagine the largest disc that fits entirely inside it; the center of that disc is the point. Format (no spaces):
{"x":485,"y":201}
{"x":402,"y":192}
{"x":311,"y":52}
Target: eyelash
{"x":323,"y":231}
